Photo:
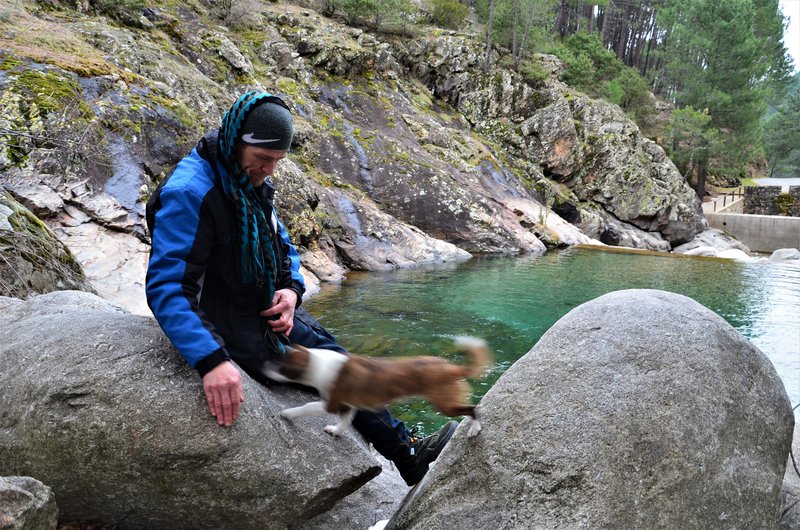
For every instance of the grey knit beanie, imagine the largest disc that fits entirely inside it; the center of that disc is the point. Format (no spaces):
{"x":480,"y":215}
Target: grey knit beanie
{"x":268,"y":125}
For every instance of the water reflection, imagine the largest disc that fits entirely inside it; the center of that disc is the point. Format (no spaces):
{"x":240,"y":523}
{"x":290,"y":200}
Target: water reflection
{"x":511,"y":302}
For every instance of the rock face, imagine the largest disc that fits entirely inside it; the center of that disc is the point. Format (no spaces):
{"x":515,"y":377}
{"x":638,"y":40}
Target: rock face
{"x":408,"y":131}
{"x":98,"y":405}
{"x":32,"y":259}
{"x":709,"y":243}
{"x":589,"y":145}
{"x":790,"y":495}
{"x":612,"y":421}
{"x":26,"y":504}
{"x":376,"y":501}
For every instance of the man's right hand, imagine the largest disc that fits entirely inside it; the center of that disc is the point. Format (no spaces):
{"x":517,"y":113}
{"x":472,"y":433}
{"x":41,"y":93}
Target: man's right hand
{"x":223,"y":388}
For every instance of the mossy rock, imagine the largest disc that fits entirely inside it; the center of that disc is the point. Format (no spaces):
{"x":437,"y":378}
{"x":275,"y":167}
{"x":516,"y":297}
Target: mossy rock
{"x":32,"y":259}
{"x":784,"y":203}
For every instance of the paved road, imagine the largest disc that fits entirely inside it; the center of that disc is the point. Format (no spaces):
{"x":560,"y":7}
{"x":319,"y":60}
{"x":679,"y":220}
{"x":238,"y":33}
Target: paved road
{"x":784,"y":183}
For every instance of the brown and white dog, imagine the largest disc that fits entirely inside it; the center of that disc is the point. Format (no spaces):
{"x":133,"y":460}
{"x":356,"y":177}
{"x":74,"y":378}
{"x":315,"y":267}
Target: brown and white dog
{"x":348,"y":383}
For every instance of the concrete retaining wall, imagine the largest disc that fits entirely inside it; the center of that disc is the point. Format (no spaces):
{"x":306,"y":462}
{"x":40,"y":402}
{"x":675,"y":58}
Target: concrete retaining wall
{"x":761,"y":233}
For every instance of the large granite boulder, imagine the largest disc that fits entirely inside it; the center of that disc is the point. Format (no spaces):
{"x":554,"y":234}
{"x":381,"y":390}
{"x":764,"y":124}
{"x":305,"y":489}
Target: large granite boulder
{"x":99,"y":406}
{"x":26,"y":504}
{"x":790,"y":495}
{"x":709,"y":243}
{"x":630,"y":176}
{"x":590,"y":145}
{"x":32,"y":259}
{"x":639,"y":409}
{"x":374,"y":502}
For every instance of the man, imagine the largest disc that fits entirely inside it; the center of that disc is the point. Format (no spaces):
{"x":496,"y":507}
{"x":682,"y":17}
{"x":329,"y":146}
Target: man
{"x":224,"y":280}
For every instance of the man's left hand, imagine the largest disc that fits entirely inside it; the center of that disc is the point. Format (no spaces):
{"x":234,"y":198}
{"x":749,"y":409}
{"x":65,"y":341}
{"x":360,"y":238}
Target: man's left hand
{"x":283,"y":304}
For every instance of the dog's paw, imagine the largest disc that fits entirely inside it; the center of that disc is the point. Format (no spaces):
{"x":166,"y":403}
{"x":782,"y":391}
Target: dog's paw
{"x":474,"y":429}
{"x":289,"y":414}
{"x":333,"y":430}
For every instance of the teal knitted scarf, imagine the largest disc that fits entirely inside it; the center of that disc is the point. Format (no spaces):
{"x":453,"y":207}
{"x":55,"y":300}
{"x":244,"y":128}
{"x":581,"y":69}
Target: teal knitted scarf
{"x":258,"y":254}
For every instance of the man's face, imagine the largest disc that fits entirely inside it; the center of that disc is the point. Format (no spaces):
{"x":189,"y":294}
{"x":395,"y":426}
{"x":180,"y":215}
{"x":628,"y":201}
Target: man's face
{"x":258,"y":162}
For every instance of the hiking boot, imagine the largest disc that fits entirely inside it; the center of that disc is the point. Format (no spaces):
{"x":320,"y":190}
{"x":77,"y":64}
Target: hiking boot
{"x":423,"y":451}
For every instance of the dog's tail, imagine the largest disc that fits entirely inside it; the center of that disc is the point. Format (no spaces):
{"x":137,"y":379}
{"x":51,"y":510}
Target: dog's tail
{"x":478,"y":354}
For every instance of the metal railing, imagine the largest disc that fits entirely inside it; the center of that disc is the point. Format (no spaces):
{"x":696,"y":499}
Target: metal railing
{"x":729,"y":198}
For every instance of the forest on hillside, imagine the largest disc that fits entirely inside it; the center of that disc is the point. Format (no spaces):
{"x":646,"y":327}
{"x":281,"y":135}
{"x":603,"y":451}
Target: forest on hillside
{"x":719,"y":67}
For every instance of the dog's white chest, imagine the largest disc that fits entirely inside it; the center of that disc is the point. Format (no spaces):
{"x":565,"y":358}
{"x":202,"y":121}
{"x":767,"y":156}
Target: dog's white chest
{"x":324,"y":368}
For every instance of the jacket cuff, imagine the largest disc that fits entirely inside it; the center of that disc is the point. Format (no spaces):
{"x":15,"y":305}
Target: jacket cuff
{"x":299,"y":289}
{"x":209,"y":362}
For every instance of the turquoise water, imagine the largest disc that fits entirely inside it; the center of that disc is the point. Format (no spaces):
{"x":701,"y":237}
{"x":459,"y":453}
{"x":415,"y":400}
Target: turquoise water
{"x":511,"y":302}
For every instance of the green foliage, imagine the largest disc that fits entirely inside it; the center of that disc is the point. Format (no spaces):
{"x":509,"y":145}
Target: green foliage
{"x":723,"y":56}
{"x":383,"y":14}
{"x":448,"y":13}
{"x":579,"y":71}
{"x":593,"y":69}
{"x":533,"y":16}
{"x":612,"y":91}
{"x":692,"y":138}
{"x":591,"y":47}
{"x":122,"y":10}
{"x":784,"y":203}
{"x":589,"y":66}
{"x":533,"y":72}
{"x":782,"y":136}
{"x":636,"y":100}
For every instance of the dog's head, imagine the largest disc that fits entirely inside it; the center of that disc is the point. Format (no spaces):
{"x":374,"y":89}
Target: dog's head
{"x":294,"y":366}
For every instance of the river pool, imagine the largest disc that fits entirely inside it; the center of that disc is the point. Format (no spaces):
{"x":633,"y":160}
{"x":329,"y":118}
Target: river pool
{"x":511,"y":302}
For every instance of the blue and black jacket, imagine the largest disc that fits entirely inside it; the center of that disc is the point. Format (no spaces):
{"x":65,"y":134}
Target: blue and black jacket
{"x":194,"y":282}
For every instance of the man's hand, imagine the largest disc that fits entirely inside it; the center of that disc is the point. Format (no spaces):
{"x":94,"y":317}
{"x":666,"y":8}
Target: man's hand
{"x":223,"y":388}
{"x":283,"y":304}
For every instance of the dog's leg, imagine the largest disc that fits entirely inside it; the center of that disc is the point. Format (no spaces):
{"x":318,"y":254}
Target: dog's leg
{"x":315,"y":408}
{"x":345,"y":420}
{"x":474,"y":427}
{"x":275,"y":376}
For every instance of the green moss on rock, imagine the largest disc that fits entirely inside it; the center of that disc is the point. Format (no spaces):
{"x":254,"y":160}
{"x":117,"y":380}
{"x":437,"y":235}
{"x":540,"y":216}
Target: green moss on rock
{"x":784,"y":203}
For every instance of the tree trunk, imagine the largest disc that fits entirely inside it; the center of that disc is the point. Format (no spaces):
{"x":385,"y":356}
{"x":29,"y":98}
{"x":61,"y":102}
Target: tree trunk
{"x":702,"y":169}
{"x":489,"y":37}
{"x":561,"y":21}
{"x":528,"y":23}
{"x":772,"y":167}
{"x":515,"y":52}
{"x":608,"y":16}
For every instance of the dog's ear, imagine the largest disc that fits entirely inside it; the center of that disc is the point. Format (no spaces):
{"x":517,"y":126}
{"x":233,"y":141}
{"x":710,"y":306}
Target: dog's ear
{"x":298,"y":347}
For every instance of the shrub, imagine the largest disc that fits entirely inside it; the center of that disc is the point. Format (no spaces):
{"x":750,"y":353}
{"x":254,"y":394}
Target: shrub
{"x":612,"y":91}
{"x":579,"y":71}
{"x":532,"y":72}
{"x":378,"y":13}
{"x":591,"y":68}
{"x":122,"y":10}
{"x":448,"y":13}
{"x":605,"y":61}
{"x":636,"y":100}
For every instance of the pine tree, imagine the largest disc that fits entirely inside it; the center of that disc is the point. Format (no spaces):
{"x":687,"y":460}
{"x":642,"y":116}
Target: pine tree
{"x":782,"y":136}
{"x":725,"y":56}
